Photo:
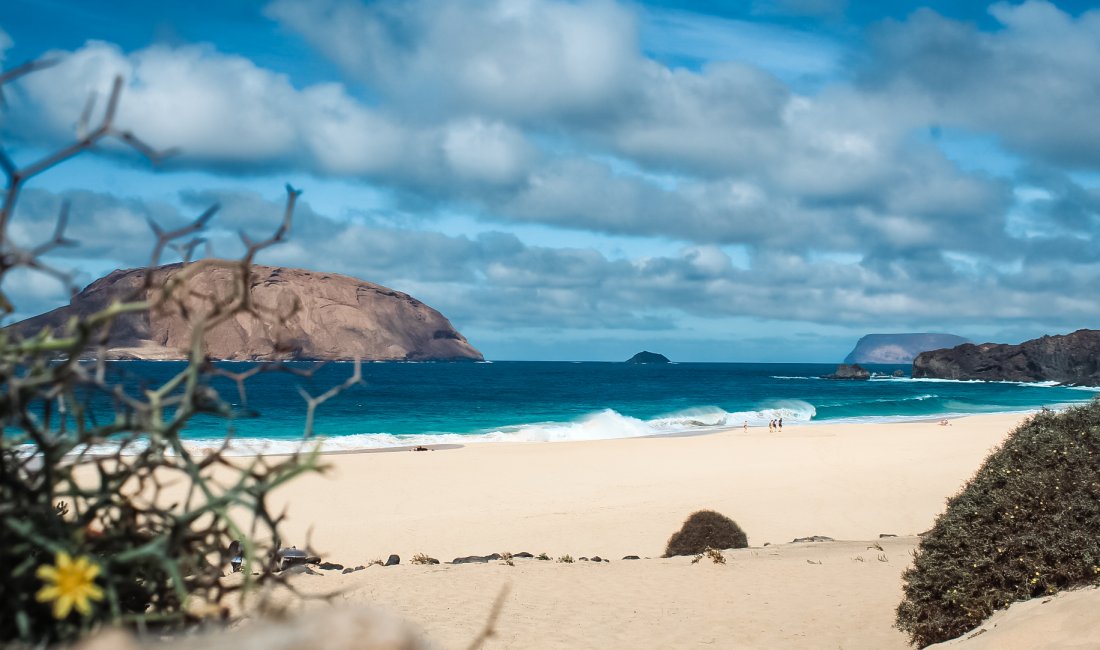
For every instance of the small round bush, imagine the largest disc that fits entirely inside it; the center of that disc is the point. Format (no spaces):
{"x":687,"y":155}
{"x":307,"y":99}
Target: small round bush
{"x":1026,"y":525}
{"x":706,"y":529}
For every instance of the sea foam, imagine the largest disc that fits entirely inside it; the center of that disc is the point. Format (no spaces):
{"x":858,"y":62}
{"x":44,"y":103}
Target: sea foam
{"x":607,"y":424}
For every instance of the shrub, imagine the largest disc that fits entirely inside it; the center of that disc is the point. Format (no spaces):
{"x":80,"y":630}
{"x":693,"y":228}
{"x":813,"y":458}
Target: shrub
{"x":706,"y":529}
{"x":714,"y":554}
{"x":1026,"y":525}
{"x":91,"y":533}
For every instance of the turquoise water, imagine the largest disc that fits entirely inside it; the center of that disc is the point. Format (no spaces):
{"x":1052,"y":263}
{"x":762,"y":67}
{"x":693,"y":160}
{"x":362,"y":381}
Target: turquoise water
{"x":420,"y":403}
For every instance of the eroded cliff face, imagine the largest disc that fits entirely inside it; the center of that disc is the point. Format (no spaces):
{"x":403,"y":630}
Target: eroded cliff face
{"x":303,"y":315}
{"x":1070,"y":358}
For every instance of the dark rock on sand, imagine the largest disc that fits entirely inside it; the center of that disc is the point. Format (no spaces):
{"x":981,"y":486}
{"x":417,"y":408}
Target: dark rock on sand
{"x":1069,"y":359}
{"x":597,"y":558}
{"x":288,"y":557}
{"x":523,"y":555}
{"x":351,"y":570}
{"x":885,"y":535}
{"x":476,"y":559}
{"x":812,"y":538}
{"x":899,"y":348}
{"x":321,"y":316}
{"x":844,"y":371}
{"x":330,"y":566}
{"x":582,"y":559}
{"x":631,"y":557}
{"x":648,"y":357}
{"x":393,"y":560}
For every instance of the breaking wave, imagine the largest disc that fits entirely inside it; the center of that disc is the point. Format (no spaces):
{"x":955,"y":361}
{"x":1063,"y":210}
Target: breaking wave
{"x":607,"y":424}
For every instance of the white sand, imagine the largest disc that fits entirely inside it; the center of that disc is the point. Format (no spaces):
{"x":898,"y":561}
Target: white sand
{"x":619,"y":497}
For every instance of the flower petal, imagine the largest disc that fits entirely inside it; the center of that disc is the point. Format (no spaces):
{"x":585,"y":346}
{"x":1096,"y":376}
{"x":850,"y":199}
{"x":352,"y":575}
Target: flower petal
{"x":46,"y":573}
{"x":62,"y":606}
{"x":83,"y":606}
{"x":91,"y":572}
{"x":94,"y":592}
{"x":64,"y":560}
{"x":46,"y":594}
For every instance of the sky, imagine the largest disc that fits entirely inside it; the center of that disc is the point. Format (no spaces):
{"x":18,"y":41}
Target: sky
{"x":764,"y":180}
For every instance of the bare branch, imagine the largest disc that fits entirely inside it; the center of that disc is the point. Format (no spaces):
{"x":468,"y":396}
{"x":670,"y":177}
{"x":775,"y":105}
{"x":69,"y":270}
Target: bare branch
{"x":489,"y":629}
{"x":30,"y":66}
{"x":112,"y":104}
{"x":85,"y":117}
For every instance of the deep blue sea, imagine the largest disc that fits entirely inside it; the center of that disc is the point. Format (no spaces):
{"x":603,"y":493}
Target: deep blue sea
{"x":422,"y":403}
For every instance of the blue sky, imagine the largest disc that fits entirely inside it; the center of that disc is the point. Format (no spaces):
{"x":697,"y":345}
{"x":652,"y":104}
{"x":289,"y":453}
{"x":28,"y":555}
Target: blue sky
{"x":756,"y":181}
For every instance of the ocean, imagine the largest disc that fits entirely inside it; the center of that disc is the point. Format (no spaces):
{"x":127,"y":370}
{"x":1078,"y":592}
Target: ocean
{"x":431,"y":403}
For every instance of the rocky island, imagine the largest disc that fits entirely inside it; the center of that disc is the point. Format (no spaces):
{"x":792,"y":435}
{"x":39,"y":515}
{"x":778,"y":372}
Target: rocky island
{"x":1069,"y":359}
{"x":307,"y":315}
{"x":648,"y":357}
{"x":845,"y":371}
{"x":899,"y":348}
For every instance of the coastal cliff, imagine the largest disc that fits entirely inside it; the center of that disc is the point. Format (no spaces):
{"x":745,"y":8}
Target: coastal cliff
{"x":899,"y":348}
{"x":309,"y":316}
{"x":1070,"y":359}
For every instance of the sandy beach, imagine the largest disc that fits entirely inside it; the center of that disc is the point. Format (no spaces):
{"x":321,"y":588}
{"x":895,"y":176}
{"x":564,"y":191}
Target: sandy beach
{"x":850,"y":482}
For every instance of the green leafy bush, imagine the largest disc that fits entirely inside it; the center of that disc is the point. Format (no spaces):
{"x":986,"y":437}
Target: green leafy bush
{"x":705,"y":530}
{"x":1026,"y":525}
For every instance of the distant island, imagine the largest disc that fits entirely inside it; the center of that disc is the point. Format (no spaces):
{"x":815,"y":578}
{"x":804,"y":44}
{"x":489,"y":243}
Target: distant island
{"x":899,"y":348}
{"x":1068,"y":359}
{"x":314,"y":316}
{"x":648,"y":357}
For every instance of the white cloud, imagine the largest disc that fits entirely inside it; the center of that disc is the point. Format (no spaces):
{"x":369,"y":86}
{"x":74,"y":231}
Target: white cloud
{"x":224,"y":110}
{"x":520,"y":59}
{"x":1032,"y":82}
{"x":483,"y":151}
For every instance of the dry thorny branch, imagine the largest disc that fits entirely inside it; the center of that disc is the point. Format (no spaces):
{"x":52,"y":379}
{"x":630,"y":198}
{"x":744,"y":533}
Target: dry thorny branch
{"x":95,"y":470}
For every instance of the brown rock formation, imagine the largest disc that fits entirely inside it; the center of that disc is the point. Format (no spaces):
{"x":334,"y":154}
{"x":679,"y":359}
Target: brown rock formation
{"x":1070,"y":358}
{"x":304,"y":315}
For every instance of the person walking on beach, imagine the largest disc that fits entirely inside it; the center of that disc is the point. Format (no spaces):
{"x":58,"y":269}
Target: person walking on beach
{"x":746,"y":426}
{"x":780,"y":424}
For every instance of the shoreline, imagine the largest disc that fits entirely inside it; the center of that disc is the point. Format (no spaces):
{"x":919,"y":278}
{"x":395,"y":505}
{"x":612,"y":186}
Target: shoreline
{"x":477,"y":440}
{"x":197,"y":444}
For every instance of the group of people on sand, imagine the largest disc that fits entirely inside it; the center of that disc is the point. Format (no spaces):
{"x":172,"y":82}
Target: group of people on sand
{"x":773,"y":425}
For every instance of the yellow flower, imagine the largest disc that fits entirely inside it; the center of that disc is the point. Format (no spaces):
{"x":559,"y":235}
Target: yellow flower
{"x":69,"y":584}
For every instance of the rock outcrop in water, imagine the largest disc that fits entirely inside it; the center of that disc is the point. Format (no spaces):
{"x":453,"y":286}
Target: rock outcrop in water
{"x":1070,"y":359}
{"x":899,"y":348}
{"x":844,"y":371}
{"x":648,"y":357}
{"x":315,"y":316}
